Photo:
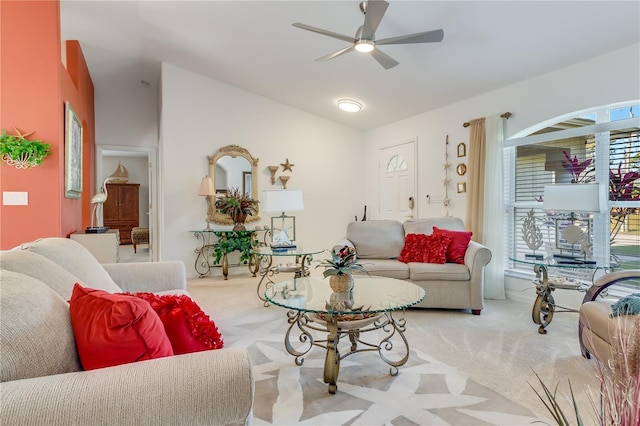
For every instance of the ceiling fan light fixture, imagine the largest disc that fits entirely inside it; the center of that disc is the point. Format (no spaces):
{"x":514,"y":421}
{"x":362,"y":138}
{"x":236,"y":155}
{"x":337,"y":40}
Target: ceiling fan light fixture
{"x":365,"y":46}
{"x":349,"y":105}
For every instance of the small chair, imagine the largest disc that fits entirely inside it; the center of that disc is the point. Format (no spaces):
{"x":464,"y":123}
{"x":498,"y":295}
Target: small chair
{"x":139,"y":236}
{"x":596,"y":327}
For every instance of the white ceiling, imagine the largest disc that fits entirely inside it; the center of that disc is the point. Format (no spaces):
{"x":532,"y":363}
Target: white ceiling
{"x":253,"y":46}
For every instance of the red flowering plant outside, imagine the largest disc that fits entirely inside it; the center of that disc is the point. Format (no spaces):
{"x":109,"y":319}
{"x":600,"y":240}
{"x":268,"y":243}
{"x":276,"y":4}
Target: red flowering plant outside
{"x":580,"y":170}
{"x":622,"y":187}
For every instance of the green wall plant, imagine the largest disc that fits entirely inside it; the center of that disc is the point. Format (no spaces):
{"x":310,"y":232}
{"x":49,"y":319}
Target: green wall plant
{"x":23,"y":153}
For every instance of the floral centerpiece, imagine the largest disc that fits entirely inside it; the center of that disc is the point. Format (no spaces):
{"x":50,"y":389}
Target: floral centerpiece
{"x":237,"y":205}
{"x":340,"y":267}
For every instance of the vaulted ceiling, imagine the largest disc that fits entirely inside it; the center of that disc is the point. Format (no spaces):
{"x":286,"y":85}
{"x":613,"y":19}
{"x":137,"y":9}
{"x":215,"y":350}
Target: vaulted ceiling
{"x":252,"y":45}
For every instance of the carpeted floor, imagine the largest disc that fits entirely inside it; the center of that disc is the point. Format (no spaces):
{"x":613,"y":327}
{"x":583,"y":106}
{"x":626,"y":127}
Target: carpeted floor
{"x":462,"y":369}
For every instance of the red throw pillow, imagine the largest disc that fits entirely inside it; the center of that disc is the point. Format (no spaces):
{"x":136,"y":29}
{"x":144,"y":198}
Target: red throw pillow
{"x":459,"y":243}
{"x":435,"y":250}
{"x":413,"y":250}
{"x":113,"y":329}
{"x":188,"y":328}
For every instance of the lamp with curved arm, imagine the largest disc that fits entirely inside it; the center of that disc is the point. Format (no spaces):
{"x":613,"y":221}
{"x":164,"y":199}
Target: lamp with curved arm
{"x":97,"y":222}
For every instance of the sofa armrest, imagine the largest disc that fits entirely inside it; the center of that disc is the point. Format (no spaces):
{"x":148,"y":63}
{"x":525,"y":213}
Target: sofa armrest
{"x":608,"y":280}
{"x":148,"y":276}
{"x":210,"y":387}
{"x":476,"y":258}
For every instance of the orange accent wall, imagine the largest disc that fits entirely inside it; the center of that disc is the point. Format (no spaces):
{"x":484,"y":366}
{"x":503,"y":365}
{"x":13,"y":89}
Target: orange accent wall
{"x":34,"y":85}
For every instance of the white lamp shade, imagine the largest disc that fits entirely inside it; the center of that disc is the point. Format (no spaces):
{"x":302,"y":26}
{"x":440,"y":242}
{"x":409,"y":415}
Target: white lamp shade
{"x":574,"y":197}
{"x":283,"y":200}
{"x":206,"y":186}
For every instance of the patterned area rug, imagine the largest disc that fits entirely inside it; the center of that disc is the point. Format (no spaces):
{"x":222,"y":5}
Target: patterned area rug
{"x":434,"y":387}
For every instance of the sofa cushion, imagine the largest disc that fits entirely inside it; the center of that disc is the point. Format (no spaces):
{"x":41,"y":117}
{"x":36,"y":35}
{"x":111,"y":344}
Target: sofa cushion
{"x":390,"y":268}
{"x":436,"y":272}
{"x":75,"y":258}
{"x":36,"y":337}
{"x":459,"y":243}
{"x":376,"y":239}
{"x":188,"y":328}
{"x":114,"y":329}
{"x":425,"y":225}
{"x":41,"y":268}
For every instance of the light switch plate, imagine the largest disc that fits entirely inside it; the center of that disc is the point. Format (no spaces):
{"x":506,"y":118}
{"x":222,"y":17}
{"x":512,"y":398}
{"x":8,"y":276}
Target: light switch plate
{"x":13,"y":198}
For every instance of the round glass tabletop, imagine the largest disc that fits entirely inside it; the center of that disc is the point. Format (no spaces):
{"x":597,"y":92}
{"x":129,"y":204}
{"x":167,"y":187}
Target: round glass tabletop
{"x":298,"y":251}
{"x":370,"y":294}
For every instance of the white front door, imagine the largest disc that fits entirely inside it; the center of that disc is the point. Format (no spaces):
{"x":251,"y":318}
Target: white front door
{"x":398,"y":182}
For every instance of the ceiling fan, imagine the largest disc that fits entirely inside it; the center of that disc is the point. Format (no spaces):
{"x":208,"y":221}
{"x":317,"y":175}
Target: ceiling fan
{"x":365,"y":40}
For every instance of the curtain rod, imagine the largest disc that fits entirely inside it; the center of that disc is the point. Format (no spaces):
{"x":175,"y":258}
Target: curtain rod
{"x":505,"y":115}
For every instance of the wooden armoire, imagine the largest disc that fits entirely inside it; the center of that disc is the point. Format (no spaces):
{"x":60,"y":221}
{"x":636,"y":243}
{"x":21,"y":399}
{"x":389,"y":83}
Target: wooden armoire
{"x":121,"y":210}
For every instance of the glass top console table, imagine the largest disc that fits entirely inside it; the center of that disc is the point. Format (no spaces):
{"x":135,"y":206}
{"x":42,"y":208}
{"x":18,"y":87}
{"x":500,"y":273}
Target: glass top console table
{"x":217,"y":244}
{"x":314,"y":309}
{"x":265,"y":257}
{"x":544,"y":305}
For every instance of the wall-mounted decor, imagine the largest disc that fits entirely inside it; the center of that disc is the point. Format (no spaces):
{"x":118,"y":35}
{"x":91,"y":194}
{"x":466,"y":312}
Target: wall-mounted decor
{"x":461,"y":169}
{"x":462,"y":150}
{"x":20,"y":152}
{"x":446,"y":201}
{"x":283,"y":180}
{"x":462,"y":187}
{"x":287,"y":166}
{"x":273,"y":170}
{"x":73,"y":153}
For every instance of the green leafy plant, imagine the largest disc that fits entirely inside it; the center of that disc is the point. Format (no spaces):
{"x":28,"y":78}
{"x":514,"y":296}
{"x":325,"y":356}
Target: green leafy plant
{"x":20,"y":149}
{"x":342,"y":262}
{"x":235,"y":202}
{"x":240,"y":241}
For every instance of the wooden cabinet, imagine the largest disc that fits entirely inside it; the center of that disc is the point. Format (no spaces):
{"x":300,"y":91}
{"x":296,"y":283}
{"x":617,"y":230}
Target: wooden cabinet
{"x":122,"y":210}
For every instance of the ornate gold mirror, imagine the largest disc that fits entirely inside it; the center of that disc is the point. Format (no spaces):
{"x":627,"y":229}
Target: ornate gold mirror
{"x":232,"y":167}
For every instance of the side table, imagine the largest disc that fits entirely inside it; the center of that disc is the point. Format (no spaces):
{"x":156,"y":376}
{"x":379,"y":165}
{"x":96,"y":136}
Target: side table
{"x":211,"y":239}
{"x":544,"y":306}
{"x":265,"y":255}
{"x":104,"y":246}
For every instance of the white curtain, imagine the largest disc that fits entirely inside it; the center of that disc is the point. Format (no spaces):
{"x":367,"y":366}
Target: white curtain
{"x":493,"y":217}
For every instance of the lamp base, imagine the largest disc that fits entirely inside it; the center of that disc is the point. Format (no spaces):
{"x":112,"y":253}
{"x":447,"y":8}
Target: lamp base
{"x":96,"y":230}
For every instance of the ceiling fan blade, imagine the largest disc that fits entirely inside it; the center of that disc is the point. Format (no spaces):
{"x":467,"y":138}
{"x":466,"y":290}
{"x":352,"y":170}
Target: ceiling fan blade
{"x":374,"y":11}
{"x":385,"y":60}
{"x":349,"y":39}
{"x":425,"y":37}
{"x":336,"y":54}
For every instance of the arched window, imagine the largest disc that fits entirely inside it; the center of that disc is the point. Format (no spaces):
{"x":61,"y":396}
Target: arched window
{"x":601,"y":145}
{"x":396,"y":163}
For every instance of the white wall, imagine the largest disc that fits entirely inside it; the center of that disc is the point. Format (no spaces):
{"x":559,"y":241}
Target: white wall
{"x":201,"y":115}
{"x":603,"y":80}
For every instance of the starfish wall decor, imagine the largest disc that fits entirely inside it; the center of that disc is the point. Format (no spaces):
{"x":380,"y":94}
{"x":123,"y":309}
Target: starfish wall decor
{"x":287,"y":166}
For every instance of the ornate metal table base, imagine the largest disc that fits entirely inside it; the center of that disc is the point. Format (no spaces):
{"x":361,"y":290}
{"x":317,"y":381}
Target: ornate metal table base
{"x":544,"y":305}
{"x":204,"y":259}
{"x":307,"y":322}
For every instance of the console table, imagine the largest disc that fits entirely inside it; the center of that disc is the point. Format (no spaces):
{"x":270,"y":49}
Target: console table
{"x":213,"y":240}
{"x":544,"y":305}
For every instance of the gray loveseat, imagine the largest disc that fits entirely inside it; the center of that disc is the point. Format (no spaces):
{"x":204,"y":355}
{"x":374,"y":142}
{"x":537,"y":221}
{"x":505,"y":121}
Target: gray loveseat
{"x":378,"y":244}
{"x":41,"y":375}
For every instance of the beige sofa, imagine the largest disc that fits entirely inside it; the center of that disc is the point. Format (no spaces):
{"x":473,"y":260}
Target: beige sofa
{"x":378,"y":244}
{"x":41,"y":375}
{"x":596,"y":327}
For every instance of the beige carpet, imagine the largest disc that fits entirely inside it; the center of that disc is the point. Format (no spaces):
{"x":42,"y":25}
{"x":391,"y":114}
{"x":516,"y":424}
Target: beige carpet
{"x":462,"y":370}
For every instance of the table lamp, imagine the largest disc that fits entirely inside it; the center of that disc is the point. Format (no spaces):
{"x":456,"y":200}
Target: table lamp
{"x":283,"y":200}
{"x":207,"y":189}
{"x":574,"y":198}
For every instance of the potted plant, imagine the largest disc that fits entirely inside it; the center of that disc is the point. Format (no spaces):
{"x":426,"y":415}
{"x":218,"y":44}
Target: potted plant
{"x":21,"y":152}
{"x":237,"y":205}
{"x":340,"y":268}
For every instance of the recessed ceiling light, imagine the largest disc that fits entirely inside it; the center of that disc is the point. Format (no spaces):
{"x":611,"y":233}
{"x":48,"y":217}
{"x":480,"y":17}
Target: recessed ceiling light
{"x":349,"y":105}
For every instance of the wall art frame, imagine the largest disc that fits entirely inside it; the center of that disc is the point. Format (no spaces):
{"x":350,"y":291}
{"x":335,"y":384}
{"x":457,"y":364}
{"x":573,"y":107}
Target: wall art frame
{"x":73,"y":137}
{"x":462,"y":149}
{"x":462,"y":187}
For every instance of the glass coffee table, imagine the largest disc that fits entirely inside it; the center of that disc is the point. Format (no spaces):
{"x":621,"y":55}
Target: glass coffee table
{"x":265,"y":256}
{"x":320,"y":317}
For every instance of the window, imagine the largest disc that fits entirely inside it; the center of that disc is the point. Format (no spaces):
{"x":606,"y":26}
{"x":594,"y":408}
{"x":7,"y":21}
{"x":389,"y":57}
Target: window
{"x":603,"y":146}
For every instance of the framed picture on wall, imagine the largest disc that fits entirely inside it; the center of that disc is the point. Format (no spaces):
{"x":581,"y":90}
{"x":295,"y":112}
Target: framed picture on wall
{"x":72,"y":153}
